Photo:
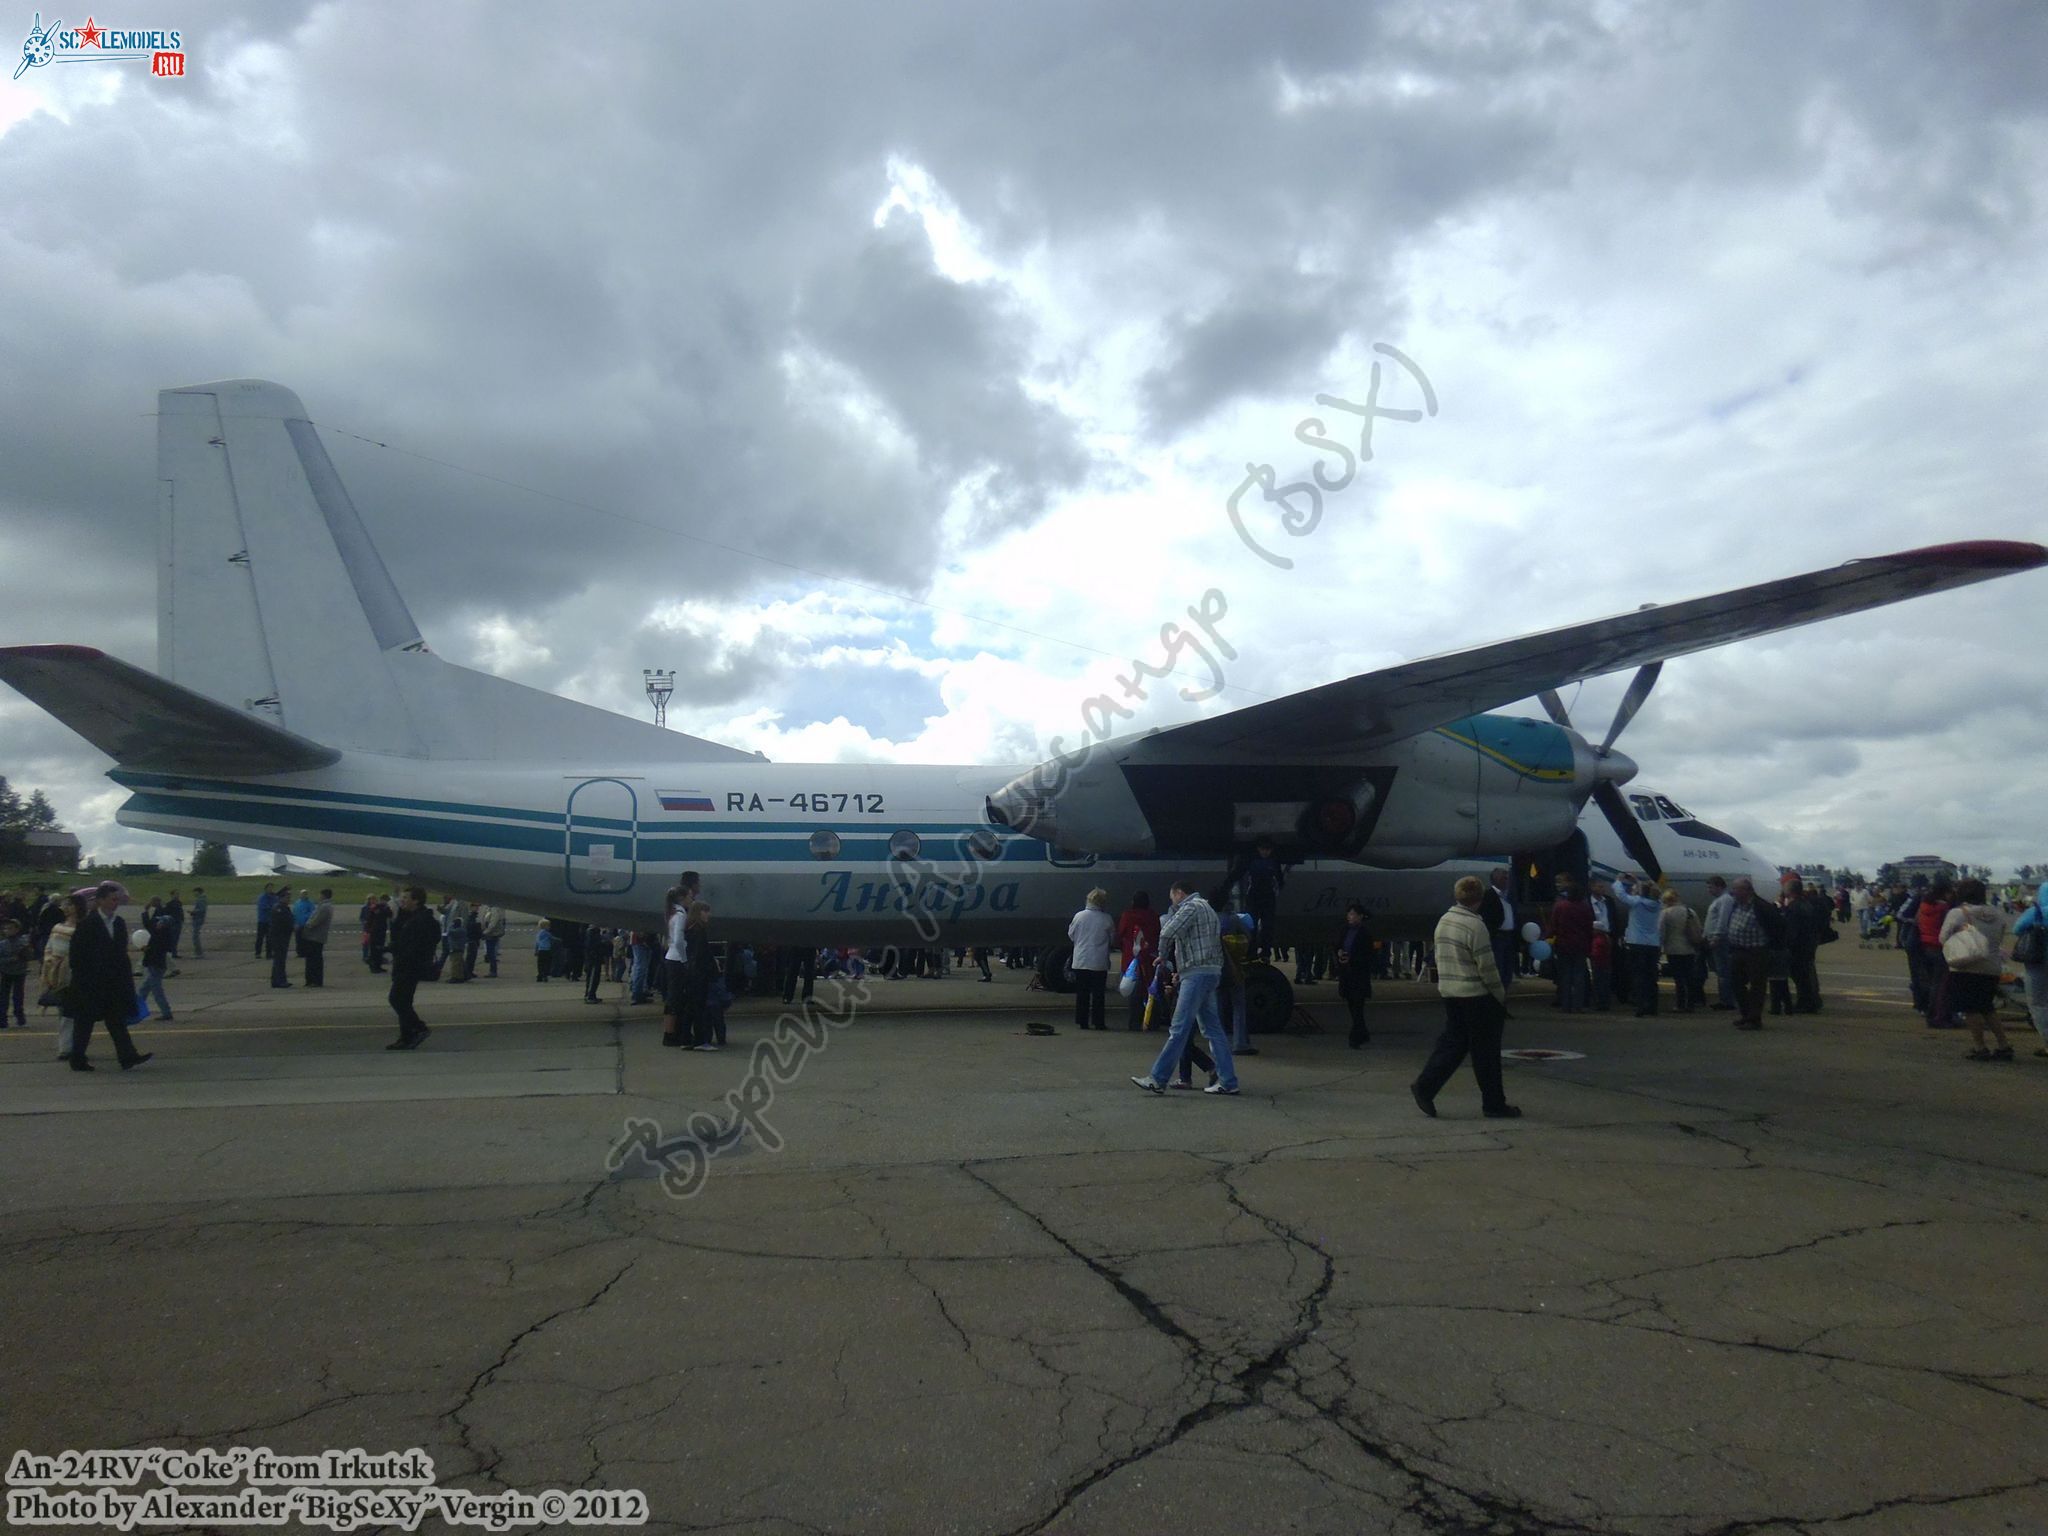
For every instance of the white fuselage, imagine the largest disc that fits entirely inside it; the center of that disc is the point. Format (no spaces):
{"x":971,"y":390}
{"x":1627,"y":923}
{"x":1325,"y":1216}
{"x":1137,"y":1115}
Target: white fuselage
{"x":825,"y":853}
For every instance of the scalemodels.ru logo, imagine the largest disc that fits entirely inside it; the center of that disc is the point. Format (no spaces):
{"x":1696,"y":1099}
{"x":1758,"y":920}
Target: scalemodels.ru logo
{"x":163,"y":51}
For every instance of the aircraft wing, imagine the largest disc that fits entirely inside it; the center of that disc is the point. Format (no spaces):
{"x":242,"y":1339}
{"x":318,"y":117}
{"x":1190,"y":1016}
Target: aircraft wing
{"x":142,"y":721}
{"x":1377,"y":707}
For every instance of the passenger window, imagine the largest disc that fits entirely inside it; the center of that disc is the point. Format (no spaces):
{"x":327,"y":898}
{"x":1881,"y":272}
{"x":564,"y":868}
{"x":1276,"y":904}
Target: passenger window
{"x":824,"y":845}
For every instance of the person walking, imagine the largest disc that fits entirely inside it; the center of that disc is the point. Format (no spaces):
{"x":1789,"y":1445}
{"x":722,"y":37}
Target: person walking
{"x":1354,"y":971}
{"x":313,"y":939}
{"x":198,"y":922}
{"x":1090,"y":932}
{"x":156,"y":961}
{"x":103,"y":980}
{"x":56,"y":977}
{"x":598,"y":946}
{"x":1475,"y":1006}
{"x":2030,"y":949}
{"x":1971,"y":936}
{"x":1678,"y":928}
{"x":544,"y":950}
{"x":1190,"y":939}
{"x":415,"y":935}
{"x":1756,"y":932}
{"x":1137,"y":938}
{"x":281,"y":931}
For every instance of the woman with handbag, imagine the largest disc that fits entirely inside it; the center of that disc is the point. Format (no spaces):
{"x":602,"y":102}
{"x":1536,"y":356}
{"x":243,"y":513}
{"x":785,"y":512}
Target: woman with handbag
{"x":1970,"y":936}
{"x":2030,"y":949}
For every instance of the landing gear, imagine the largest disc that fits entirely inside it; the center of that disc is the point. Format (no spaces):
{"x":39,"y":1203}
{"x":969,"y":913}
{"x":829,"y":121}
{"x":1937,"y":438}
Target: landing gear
{"x":1055,"y":970}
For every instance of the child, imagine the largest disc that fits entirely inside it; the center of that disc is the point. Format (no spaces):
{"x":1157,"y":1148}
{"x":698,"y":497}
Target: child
{"x":156,"y":959}
{"x":543,"y":951}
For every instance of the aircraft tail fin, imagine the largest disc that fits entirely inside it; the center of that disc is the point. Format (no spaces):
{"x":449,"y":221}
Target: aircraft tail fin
{"x":273,"y":600}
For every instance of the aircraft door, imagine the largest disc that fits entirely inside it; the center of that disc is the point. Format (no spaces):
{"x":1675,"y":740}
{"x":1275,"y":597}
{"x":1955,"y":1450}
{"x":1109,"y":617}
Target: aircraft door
{"x":601,"y":839}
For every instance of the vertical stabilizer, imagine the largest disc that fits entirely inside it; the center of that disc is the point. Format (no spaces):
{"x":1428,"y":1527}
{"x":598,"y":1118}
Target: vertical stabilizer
{"x":270,"y":595}
{"x":272,"y":599}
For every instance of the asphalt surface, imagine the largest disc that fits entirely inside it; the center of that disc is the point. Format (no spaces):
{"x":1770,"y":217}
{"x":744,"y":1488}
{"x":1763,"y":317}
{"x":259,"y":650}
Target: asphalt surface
{"x":1713,"y":1282}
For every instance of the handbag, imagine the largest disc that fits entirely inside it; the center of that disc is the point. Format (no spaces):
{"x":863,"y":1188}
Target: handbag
{"x":1966,"y":946}
{"x":1129,"y":983}
{"x":2031,"y":947}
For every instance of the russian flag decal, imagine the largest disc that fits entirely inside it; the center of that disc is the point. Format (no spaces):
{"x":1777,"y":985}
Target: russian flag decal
{"x":685,"y":800}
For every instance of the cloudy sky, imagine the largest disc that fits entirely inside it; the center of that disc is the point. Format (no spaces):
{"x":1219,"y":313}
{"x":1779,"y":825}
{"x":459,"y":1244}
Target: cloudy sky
{"x":885,"y":369}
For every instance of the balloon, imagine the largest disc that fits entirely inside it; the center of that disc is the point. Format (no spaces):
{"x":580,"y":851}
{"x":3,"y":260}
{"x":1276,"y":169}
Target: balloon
{"x":1540,"y":950}
{"x":1531,"y":932}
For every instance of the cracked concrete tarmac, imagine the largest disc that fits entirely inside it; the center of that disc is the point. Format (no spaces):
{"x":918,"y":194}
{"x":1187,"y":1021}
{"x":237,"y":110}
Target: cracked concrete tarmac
{"x":1713,"y":1284}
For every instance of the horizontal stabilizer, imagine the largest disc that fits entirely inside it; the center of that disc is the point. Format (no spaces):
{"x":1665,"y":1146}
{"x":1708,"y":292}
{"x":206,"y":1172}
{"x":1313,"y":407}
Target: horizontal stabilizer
{"x":142,"y":721}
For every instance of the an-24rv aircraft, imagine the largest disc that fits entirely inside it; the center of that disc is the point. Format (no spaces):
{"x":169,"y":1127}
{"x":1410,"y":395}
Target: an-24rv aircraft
{"x":296,"y":707}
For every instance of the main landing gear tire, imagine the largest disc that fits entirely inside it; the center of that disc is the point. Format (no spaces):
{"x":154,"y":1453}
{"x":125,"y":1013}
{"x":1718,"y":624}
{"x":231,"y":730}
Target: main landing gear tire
{"x":1268,"y":999}
{"x":1055,"y":972}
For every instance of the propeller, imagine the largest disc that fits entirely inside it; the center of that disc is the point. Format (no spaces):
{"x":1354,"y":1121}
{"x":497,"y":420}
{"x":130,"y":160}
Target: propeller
{"x":1611,"y":770}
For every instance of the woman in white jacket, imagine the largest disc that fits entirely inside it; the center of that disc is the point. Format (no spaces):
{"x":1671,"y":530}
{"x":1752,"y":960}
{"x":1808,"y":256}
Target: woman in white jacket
{"x":1973,"y":976}
{"x":1091,"y":931}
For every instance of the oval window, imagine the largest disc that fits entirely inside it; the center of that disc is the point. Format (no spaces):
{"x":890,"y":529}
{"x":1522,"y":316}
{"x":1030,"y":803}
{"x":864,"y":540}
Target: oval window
{"x":904,"y":845}
{"x":824,"y":845}
{"x":984,"y":845}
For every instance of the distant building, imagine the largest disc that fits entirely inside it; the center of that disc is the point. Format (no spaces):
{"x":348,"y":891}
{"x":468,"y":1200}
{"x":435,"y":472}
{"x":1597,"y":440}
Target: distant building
{"x":1910,"y":868}
{"x":50,"y":850}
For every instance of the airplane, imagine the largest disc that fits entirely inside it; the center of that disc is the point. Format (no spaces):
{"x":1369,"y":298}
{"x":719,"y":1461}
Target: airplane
{"x":296,"y":707}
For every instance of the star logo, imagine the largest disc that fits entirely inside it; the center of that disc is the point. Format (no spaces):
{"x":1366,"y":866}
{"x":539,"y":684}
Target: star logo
{"x":89,"y":35}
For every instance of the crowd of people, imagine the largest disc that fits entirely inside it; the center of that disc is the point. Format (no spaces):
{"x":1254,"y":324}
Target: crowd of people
{"x":1601,"y":944}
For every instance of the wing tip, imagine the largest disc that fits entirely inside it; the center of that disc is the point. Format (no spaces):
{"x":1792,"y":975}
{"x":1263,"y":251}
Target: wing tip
{"x":1970,"y":554}
{"x":53,"y":652}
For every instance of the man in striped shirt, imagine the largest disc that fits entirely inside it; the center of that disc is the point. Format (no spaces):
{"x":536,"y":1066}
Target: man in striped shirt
{"x":1475,"y":1006}
{"x":1189,"y":940}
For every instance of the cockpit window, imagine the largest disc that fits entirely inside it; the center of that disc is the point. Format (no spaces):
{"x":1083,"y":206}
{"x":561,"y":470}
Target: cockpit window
{"x":1646,"y":808}
{"x":1671,"y":812}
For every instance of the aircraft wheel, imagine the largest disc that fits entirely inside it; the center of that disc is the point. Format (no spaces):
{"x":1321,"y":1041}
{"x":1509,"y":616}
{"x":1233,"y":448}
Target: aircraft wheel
{"x":1268,"y":998}
{"x":1055,"y":968}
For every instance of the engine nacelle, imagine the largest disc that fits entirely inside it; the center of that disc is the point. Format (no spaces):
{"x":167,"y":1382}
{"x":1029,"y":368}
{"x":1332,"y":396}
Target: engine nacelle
{"x":1486,"y":785}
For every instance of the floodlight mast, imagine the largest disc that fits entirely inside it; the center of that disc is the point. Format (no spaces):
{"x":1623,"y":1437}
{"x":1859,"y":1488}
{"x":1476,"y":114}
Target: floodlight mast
{"x":660,"y":684}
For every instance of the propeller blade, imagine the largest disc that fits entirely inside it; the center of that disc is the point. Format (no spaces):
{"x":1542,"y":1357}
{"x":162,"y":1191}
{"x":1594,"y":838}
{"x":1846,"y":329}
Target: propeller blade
{"x":1553,"y":706}
{"x":1609,"y":798}
{"x":1638,"y":690}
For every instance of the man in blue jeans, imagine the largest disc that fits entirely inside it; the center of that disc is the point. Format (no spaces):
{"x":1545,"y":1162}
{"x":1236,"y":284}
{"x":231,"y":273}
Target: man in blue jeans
{"x":1190,"y":942}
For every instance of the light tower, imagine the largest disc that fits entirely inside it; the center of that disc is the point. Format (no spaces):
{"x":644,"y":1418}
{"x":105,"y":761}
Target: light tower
{"x":660,"y":685}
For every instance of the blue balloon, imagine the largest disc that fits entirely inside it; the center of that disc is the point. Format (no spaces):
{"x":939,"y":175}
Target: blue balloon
{"x":1540,"y":950}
